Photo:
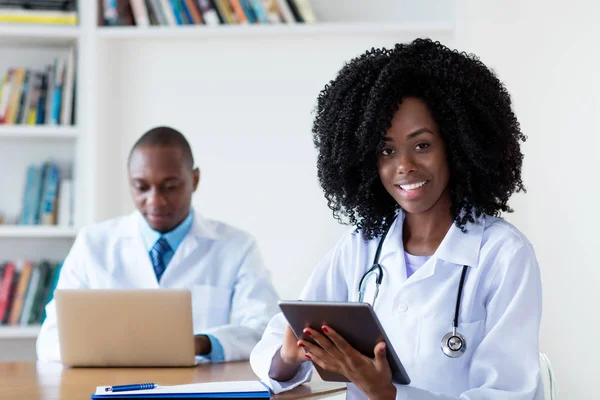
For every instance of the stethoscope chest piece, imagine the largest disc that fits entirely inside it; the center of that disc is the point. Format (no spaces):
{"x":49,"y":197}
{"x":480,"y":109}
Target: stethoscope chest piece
{"x":454,"y":344}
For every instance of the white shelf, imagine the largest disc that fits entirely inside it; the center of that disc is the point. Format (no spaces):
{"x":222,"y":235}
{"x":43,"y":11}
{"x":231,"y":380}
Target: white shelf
{"x":276,"y":30}
{"x":19,"y":332}
{"x":17,"y":231}
{"x":38,"y":34}
{"x":38,"y":132}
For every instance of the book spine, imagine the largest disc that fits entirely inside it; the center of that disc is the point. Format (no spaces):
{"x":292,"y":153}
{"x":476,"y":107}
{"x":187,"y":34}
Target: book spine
{"x":65,"y":209}
{"x":21,"y":291}
{"x":5,"y":95}
{"x":6,"y":288}
{"x":259,"y":11}
{"x":50,"y":195}
{"x":66,"y":112}
{"x":168,"y":11}
{"x":111,"y":14}
{"x":26,"y":213}
{"x":15,"y":100}
{"x":196,"y":15}
{"x":286,"y":12}
{"x":30,"y":295}
{"x":140,"y":13}
{"x":209,"y":14}
{"x":177,"y":12}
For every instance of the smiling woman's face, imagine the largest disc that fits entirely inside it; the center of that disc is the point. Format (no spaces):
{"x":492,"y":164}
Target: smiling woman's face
{"x":412,"y":164}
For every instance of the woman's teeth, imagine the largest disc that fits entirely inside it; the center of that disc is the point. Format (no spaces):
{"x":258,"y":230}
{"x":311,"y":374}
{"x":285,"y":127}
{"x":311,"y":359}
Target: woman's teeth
{"x":413,"y":186}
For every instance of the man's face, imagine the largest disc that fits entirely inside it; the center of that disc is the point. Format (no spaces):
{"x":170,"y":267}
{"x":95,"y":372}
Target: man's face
{"x":161,"y":185}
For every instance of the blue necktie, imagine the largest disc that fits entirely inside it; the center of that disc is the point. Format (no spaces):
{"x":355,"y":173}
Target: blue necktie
{"x":156,"y":255}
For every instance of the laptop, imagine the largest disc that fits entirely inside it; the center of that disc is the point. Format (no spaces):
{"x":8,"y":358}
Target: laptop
{"x":125,"y":328}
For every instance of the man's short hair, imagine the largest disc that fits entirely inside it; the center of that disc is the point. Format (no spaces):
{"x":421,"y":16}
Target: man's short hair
{"x":164,"y":136}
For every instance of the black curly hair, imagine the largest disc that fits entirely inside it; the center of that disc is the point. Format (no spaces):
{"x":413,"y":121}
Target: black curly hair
{"x":469,"y":104}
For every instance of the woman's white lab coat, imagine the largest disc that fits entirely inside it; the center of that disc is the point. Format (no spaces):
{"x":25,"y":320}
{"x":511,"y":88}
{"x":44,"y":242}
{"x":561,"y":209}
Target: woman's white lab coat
{"x":232,"y":296}
{"x":499,"y":315}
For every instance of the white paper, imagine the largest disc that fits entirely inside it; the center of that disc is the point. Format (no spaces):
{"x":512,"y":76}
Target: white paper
{"x":195,"y":388}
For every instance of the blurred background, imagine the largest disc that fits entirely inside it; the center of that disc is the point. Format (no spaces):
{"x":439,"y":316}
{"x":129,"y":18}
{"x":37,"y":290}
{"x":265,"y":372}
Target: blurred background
{"x":82,"y":80}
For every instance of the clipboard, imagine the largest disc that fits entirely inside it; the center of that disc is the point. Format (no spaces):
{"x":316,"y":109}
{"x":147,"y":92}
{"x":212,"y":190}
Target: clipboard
{"x":208,"y":390}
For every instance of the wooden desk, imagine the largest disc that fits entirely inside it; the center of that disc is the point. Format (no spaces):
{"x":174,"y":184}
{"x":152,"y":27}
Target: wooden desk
{"x":49,"y":381}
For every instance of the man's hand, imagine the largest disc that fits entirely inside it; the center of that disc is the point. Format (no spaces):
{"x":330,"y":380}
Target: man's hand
{"x":372,"y":375}
{"x":202,"y":345}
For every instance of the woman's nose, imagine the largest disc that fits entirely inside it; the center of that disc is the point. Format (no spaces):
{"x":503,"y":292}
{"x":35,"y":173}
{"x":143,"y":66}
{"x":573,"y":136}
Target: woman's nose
{"x":405,"y":165}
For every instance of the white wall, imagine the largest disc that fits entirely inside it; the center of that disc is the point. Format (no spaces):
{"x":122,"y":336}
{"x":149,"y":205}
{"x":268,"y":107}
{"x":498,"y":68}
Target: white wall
{"x":548,"y":56}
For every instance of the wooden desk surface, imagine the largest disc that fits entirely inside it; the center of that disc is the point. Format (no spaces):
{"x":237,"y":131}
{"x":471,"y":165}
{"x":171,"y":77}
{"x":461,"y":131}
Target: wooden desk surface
{"x":49,"y":381}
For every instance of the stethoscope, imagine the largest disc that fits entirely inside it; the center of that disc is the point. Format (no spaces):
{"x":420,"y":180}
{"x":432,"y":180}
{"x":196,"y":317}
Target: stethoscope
{"x":453,"y":343}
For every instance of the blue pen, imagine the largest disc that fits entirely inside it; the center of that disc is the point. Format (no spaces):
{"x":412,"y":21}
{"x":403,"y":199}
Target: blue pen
{"x":124,"y":388}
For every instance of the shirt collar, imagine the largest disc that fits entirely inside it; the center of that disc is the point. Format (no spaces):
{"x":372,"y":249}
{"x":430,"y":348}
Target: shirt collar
{"x":457,"y":247}
{"x":174,"y":237}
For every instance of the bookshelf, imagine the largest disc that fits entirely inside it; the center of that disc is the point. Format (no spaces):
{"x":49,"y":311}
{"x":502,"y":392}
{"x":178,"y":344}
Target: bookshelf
{"x":38,"y":132}
{"x":39,"y":35}
{"x":19,"y":332}
{"x":34,"y":47}
{"x":305,"y":30}
{"x":220,"y":70}
{"x":36,"y":232}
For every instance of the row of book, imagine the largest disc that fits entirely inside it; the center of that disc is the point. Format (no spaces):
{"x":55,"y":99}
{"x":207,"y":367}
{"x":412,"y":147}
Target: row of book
{"x":33,"y":97}
{"x":205,"y":12}
{"x":41,"y":12}
{"x":48,"y":197}
{"x":25,"y":289}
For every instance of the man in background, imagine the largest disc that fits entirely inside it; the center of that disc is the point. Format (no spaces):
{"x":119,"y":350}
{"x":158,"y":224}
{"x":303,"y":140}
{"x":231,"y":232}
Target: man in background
{"x":167,"y":244}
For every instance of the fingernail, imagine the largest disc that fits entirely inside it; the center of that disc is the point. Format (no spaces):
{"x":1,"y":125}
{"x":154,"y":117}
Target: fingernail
{"x":301,"y":344}
{"x":324,"y":329}
{"x":308,"y":356}
{"x":307,"y":332}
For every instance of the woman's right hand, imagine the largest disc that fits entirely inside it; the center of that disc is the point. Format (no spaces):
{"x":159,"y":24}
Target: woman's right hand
{"x":285,"y":367}
{"x":290,"y":352}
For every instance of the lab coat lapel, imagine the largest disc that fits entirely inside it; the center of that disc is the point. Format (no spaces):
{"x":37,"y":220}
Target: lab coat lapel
{"x":457,"y":249}
{"x":392,"y":261}
{"x":200,"y":234}
{"x":134,"y":253}
{"x":424,"y":272}
{"x":186,"y":249}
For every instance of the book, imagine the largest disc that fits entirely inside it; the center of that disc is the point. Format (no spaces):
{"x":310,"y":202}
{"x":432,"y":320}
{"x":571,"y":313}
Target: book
{"x":140,"y":12}
{"x":65,"y":203}
{"x":7,"y":286}
{"x":30,"y":296}
{"x":66,"y":109}
{"x":306,"y":11}
{"x":43,"y":17}
{"x":209,"y":14}
{"x":25,"y":268}
{"x":224,"y":390}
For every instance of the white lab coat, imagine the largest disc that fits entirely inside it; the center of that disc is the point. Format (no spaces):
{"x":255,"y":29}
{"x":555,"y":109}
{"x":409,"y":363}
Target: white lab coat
{"x":499,"y":315}
{"x":232,"y":296}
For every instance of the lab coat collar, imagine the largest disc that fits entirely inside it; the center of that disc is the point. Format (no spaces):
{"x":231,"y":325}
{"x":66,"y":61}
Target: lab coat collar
{"x":462,"y":248}
{"x":201,"y":229}
{"x":457,"y":247}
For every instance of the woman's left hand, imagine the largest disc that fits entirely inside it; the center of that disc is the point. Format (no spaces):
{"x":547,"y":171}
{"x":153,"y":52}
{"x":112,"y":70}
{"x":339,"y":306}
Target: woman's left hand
{"x":371,"y":375}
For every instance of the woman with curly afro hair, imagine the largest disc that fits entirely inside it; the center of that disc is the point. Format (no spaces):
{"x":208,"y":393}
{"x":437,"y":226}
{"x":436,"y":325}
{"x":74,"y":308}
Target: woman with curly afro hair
{"x":419,"y":150}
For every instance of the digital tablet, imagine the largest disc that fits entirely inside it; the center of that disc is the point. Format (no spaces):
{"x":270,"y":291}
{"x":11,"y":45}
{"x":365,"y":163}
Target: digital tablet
{"x":355,"y":322}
